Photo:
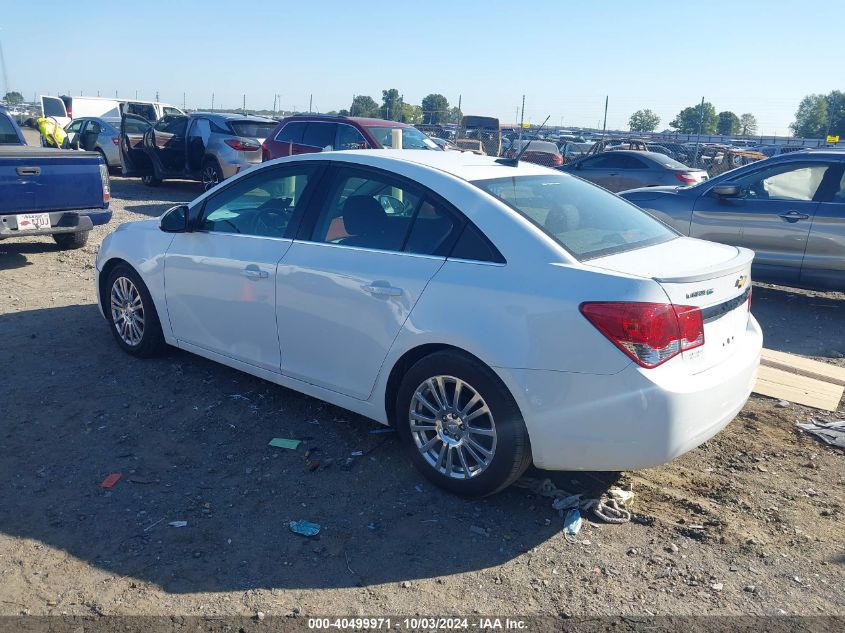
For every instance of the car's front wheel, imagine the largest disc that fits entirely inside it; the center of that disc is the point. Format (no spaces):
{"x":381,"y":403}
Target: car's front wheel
{"x":133,"y":317}
{"x":461,"y":426}
{"x":212,"y":174}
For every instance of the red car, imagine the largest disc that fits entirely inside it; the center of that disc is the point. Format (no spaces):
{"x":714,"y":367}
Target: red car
{"x":539,"y":152}
{"x":303,"y":134}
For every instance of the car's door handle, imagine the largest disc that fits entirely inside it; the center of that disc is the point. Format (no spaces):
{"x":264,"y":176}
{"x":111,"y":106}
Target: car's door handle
{"x":794,"y":216}
{"x":253,"y":272}
{"x":383,"y":289}
{"x":28,"y":171}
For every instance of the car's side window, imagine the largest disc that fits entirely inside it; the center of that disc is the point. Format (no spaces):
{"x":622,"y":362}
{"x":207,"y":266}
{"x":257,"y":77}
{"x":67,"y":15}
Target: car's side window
{"x":74,"y":127}
{"x":839,"y":193}
{"x":631,"y":162}
{"x":291,"y":133}
{"x":783,"y":182}
{"x":349,"y":137}
{"x":367,"y":210}
{"x":261,"y":205}
{"x":319,"y":134}
{"x":432,"y":230}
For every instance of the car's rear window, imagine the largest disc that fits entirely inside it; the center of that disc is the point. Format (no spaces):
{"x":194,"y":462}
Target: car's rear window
{"x":252,"y":129}
{"x":586,"y":220}
{"x":8,"y":134}
{"x":412,"y":138}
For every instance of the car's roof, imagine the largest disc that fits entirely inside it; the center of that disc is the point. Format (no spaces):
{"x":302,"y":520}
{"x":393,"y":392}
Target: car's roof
{"x":363,"y":121}
{"x":464,"y":165}
{"x":234,"y":116}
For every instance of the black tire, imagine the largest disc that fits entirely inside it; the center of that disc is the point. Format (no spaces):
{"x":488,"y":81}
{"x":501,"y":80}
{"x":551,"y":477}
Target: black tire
{"x":511,"y":453}
{"x":211,"y":174}
{"x":150,"y":180}
{"x":69,"y":241}
{"x":151,"y":340}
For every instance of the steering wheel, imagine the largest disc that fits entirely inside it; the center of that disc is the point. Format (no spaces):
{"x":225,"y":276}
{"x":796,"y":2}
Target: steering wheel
{"x":272,"y":218}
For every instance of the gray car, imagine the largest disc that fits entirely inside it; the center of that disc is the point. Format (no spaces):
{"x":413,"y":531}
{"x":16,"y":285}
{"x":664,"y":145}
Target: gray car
{"x":621,"y":169}
{"x":204,"y":146}
{"x":789,"y":209}
{"x":96,"y":134}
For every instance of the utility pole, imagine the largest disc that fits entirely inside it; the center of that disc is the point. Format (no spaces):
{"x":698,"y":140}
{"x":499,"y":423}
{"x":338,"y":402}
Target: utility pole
{"x":244,"y":106}
{"x":604,"y":126}
{"x":3,"y":67}
{"x":311,"y":104}
{"x":698,"y":138}
{"x":521,"y":121}
{"x":459,"y":103}
{"x":830,"y":104}
{"x":212,"y":102}
{"x":183,"y":100}
{"x":157,"y":99}
{"x":136,"y":95}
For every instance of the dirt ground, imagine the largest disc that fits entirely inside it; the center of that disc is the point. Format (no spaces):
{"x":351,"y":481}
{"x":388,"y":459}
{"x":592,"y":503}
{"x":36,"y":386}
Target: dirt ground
{"x":749,"y":523}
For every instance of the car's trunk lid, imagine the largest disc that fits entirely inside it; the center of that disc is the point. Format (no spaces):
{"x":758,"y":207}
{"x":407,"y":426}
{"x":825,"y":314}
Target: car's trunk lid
{"x":713,"y":277}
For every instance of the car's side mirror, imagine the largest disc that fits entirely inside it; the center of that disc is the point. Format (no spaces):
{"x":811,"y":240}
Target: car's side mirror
{"x":726,"y":191}
{"x":175,"y":220}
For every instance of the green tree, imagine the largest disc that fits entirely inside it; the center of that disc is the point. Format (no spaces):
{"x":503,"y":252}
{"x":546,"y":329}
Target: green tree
{"x":815,"y":112}
{"x":643,"y":121}
{"x":435,"y":109}
{"x":412,"y":114}
{"x":391,"y":106}
{"x":728,"y":123}
{"x":748,"y":124}
{"x":689,"y":118}
{"x":13,"y":98}
{"x":364,"y":106}
{"x":455,"y":115}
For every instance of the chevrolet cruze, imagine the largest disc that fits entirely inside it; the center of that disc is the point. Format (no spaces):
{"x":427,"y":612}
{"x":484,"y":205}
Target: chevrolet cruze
{"x":495,"y":312}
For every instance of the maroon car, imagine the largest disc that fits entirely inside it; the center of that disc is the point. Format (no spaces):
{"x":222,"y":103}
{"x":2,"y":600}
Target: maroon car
{"x":539,"y":152}
{"x":303,"y":134}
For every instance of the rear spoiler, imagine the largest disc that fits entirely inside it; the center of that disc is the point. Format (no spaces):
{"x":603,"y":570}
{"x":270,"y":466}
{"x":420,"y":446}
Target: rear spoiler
{"x":742,"y":259}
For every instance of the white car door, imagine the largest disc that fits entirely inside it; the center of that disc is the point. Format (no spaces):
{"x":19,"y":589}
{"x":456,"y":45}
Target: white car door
{"x":373,"y":243}
{"x":220,"y":278}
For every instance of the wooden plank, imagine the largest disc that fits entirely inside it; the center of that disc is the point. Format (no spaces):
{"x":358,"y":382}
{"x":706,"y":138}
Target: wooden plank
{"x":785,"y":385}
{"x":803,"y":366}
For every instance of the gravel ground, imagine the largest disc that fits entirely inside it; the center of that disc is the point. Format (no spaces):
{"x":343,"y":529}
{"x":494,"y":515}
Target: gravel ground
{"x":749,"y":523}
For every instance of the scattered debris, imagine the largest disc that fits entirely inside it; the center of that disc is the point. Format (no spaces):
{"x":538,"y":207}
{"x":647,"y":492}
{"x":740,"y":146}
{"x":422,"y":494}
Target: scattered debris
{"x":111,"y":480}
{"x":372,"y":526}
{"x":178,"y":524}
{"x":610,"y":507}
{"x":357,"y":453}
{"x":787,"y":386}
{"x":572,"y":522}
{"x":478,"y":530}
{"x":831,"y":433}
{"x":386,"y":429}
{"x":305,"y":528}
{"x":143,"y":480}
{"x":717,"y":586}
{"x":281,"y":442}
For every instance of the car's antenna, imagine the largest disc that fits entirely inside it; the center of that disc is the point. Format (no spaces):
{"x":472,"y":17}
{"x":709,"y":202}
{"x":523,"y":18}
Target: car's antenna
{"x":513,"y":162}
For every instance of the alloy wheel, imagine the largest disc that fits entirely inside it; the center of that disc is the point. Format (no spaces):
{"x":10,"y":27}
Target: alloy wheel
{"x":452,"y":427}
{"x":127,"y":311}
{"x":210,"y":177}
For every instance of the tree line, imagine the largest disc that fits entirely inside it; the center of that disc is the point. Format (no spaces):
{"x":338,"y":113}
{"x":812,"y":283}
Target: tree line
{"x":817,"y":116}
{"x":433,"y":110}
{"x":689,"y":119}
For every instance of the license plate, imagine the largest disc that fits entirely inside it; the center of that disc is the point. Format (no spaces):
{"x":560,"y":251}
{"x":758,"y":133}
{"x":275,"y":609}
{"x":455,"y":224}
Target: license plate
{"x":29,"y":221}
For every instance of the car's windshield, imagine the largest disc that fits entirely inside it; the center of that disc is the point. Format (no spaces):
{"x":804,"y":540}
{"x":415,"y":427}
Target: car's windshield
{"x":252,"y":129}
{"x":412,"y":138}
{"x":667,"y":162}
{"x":586,"y":220}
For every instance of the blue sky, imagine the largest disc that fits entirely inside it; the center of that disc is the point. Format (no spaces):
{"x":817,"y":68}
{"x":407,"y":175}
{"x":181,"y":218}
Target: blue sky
{"x":758,"y":56}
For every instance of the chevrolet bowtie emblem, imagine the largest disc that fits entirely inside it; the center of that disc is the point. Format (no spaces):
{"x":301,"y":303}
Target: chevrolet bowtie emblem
{"x":741,"y":281}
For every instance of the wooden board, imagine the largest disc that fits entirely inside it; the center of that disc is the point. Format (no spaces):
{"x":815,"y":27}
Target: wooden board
{"x":803,"y":366}
{"x":785,"y":385}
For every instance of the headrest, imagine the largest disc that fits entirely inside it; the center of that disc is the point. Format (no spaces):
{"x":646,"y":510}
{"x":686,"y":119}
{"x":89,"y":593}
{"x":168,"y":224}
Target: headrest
{"x":363,"y":215}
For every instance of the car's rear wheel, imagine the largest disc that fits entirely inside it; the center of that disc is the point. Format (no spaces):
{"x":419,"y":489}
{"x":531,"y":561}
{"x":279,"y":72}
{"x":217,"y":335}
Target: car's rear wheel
{"x":211,"y":174}
{"x":461,"y":426}
{"x":132,"y":314}
{"x":69,"y":241}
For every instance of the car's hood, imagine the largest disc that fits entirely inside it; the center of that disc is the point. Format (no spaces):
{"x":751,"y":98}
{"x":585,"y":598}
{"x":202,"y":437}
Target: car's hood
{"x":140,"y":225}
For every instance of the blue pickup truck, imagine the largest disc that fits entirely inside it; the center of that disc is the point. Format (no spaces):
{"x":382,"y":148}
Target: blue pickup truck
{"x":61,"y":193}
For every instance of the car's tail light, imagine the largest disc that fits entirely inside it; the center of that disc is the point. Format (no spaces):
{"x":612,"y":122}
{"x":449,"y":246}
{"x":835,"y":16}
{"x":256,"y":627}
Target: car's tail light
{"x":241,"y":146}
{"x":685,"y":178}
{"x":265,"y":154}
{"x":648,"y":333}
{"x":558,"y":159}
{"x":749,"y":299}
{"x":104,"y":180}
{"x":115,"y":139}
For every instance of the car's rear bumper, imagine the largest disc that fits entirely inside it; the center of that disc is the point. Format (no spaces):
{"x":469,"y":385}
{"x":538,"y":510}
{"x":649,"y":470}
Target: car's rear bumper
{"x":633,"y":419}
{"x":60,"y":222}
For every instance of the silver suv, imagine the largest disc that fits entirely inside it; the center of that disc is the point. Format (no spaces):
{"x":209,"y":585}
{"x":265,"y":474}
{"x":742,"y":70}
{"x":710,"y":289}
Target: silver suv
{"x":204,"y":146}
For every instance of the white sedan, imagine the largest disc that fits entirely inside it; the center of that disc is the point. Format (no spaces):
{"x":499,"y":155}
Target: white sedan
{"x":495,"y":314}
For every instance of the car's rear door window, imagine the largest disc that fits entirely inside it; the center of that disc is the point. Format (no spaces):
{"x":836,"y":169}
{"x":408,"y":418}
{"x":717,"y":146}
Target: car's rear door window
{"x":349,"y":137}
{"x":320,"y":134}
{"x":788,"y":181}
{"x":292,"y":132}
{"x":586,"y":220}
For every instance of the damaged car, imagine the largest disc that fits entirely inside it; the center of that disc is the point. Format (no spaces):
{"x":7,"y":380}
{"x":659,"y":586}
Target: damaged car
{"x":204,"y":146}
